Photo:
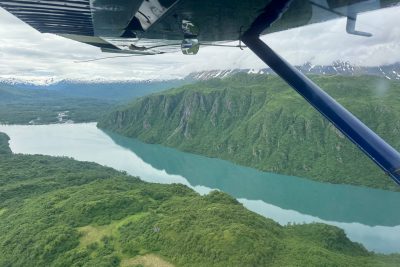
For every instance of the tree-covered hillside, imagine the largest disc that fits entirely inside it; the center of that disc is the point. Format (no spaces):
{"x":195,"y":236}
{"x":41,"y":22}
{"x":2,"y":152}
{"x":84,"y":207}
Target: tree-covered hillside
{"x":258,"y":121}
{"x":61,"y":212}
{"x":4,"y":147}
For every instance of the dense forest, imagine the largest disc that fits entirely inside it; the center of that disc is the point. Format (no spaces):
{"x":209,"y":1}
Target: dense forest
{"x":56,"y":211}
{"x":4,"y":147}
{"x":258,"y":121}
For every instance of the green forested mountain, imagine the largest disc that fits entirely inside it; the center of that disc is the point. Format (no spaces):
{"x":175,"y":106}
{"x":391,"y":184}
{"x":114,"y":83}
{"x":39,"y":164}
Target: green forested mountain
{"x":258,"y":121}
{"x":61,"y":212}
{"x":10,"y":92}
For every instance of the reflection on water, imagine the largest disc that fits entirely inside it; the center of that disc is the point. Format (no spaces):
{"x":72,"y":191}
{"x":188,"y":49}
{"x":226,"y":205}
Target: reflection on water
{"x":384,"y":239}
{"x":326,"y":201}
{"x":368,"y":216}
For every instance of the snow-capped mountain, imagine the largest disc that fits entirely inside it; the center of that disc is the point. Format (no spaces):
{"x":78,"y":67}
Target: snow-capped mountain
{"x":390,"y":72}
{"x":52,"y":81}
{"x":37,"y":81}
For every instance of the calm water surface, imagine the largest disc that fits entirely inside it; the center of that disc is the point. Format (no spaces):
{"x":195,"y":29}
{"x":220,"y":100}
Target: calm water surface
{"x":368,"y":216}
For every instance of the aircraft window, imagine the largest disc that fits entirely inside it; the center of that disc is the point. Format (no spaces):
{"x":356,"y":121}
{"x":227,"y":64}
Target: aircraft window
{"x":153,"y":132}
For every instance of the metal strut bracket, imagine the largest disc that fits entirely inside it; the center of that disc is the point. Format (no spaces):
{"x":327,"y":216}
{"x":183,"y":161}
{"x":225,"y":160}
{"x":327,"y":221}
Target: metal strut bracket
{"x":385,"y":156}
{"x":351,"y":27}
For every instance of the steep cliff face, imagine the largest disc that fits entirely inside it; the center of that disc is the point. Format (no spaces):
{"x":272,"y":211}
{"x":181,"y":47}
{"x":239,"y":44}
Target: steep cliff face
{"x":258,"y":121}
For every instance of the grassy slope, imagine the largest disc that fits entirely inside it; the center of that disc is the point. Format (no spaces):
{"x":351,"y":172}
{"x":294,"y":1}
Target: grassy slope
{"x":61,"y":212}
{"x":258,"y":121}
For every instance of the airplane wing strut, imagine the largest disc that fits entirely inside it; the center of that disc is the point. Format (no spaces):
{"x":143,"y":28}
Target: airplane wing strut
{"x":385,"y":156}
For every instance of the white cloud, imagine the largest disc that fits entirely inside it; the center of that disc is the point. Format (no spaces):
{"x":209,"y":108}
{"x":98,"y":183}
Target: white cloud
{"x":24,"y":52}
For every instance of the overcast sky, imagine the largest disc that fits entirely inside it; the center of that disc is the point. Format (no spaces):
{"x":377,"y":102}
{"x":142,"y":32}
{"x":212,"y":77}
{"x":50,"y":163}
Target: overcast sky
{"x":27,"y":54}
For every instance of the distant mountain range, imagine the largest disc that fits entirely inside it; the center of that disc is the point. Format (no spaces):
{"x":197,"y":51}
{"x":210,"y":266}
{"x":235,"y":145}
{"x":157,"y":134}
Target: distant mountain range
{"x":52,"y":81}
{"x":390,"y":72}
{"x":117,"y":91}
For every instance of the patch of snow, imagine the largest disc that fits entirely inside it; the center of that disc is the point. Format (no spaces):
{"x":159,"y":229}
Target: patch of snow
{"x":253,"y":71}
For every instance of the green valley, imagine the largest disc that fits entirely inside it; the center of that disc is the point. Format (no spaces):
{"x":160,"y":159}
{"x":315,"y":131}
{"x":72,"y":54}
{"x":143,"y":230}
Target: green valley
{"x":69,"y":101}
{"x":42,"y":106}
{"x":55,"y":211}
{"x":258,"y":121}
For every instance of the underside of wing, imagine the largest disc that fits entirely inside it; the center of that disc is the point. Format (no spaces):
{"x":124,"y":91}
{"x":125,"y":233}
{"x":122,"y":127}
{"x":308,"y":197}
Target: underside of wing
{"x":161,"y":26}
